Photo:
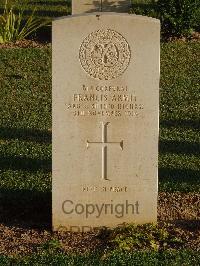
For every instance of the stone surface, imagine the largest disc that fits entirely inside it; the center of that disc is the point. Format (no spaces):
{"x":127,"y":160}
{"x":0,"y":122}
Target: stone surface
{"x":105,"y":120}
{"x":88,"y":6}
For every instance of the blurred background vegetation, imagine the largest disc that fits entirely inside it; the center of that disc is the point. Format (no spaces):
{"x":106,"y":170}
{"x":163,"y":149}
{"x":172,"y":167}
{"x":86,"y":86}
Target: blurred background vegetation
{"x":178,"y":17}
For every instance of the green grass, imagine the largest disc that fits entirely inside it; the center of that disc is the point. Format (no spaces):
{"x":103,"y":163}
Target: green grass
{"x":25,"y":134}
{"x":178,"y":258}
{"x":44,"y":8}
{"x":179,"y":117}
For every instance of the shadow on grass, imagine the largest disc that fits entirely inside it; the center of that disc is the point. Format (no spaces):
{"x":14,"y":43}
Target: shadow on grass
{"x":181,"y":180}
{"x":25,"y":208}
{"x":181,"y":175}
{"x":26,"y":134}
{"x":23,"y":163}
{"x":191,"y":225}
{"x":190,"y":124}
{"x":178,"y":147}
{"x":42,"y":13}
{"x":51,"y":3}
{"x":47,"y":13}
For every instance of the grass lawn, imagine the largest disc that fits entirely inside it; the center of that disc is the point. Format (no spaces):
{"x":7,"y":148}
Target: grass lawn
{"x":179,"y":156}
{"x":44,"y":8}
{"x":138,"y":259}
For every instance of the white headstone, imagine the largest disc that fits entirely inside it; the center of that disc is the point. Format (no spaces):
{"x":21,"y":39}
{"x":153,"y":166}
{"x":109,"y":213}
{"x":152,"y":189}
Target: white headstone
{"x":105,"y":120}
{"x":88,"y":6}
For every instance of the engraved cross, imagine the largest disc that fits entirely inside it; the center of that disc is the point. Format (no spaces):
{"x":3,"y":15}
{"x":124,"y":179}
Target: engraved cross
{"x":104,"y":144}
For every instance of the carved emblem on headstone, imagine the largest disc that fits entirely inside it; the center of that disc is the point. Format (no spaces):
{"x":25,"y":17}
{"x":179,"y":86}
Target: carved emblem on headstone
{"x":104,"y":54}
